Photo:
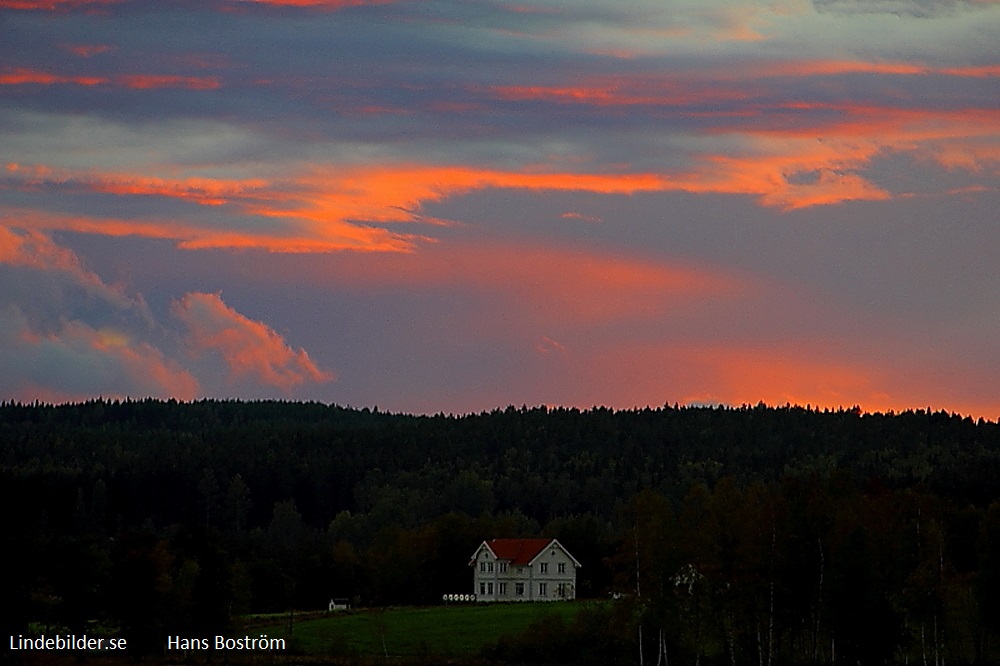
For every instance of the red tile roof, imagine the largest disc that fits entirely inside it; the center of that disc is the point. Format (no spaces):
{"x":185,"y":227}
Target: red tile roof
{"x":518,"y":551}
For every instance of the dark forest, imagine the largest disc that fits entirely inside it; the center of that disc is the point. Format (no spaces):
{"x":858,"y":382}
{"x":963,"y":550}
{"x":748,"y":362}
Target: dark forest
{"x":770,"y":535}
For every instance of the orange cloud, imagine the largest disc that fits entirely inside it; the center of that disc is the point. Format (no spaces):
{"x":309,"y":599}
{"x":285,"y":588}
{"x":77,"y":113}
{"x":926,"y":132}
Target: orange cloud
{"x":798,"y":179}
{"x":794,"y":154}
{"x":200,"y":190}
{"x":573,"y":215}
{"x":791,"y":159}
{"x":820,"y":163}
{"x":834,"y":67}
{"x":152,"y":82}
{"x":34,"y":250}
{"x":388,"y":193}
{"x":321,"y":210}
{"x":701,"y":86}
{"x":251,"y":349}
{"x":630,"y":91}
{"x":191,"y":236}
{"x":968,"y":155}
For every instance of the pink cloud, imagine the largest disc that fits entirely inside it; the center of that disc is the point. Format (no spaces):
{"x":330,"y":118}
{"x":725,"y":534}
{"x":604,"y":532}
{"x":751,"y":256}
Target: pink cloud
{"x":87,"y":50}
{"x":78,"y":361}
{"x":546,"y":345}
{"x":27,"y":248}
{"x":25,"y":76}
{"x":251,"y":349}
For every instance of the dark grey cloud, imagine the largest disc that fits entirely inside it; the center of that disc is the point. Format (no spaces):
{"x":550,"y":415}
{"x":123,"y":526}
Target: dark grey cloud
{"x":913,"y":8}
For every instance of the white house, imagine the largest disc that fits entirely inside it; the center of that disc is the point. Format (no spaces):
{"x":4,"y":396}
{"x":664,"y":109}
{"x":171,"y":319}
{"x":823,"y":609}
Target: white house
{"x":523,"y":570}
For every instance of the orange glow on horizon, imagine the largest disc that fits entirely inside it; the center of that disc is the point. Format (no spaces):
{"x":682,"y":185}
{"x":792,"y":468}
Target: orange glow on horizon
{"x":776,"y":378}
{"x":747,"y":374}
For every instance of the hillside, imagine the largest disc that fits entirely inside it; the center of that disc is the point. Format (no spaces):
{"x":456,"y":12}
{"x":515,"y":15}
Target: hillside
{"x":139,"y":518}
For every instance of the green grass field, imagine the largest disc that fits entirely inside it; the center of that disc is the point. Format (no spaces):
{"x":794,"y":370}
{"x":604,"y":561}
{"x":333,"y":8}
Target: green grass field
{"x":454,"y":630}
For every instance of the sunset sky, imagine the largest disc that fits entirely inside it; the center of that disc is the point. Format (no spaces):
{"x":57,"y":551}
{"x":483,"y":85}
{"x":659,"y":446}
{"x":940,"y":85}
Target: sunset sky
{"x":457,"y":205}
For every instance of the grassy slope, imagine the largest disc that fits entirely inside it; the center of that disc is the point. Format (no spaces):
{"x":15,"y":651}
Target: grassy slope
{"x":441,"y":630}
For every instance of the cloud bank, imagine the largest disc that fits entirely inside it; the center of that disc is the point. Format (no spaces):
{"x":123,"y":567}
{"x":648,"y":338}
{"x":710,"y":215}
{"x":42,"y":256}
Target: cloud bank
{"x":458,"y":205}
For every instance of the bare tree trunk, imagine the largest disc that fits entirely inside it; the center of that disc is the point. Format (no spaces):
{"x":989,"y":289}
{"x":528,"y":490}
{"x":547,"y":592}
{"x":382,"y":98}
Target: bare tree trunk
{"x":635,"y":533}
{"x":760,"y":647}
{"x":939,"y":639}
{"x":923,"y":644}
{"x":770,"y":627}
{"x":661,"y":651}
{"x":937,"y":653}
{"x":770,"y":609}
{"x":638,"y":593}
{"x":819,"y":601}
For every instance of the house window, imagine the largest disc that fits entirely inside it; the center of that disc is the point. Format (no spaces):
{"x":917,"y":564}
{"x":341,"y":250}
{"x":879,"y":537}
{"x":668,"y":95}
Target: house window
{"x":503,"y":567}
{"x":482,"y":588}
{"x":519,"y":589}
{"x":561,"y":567}
{"x":503,"y":589}
{"x":543,"y":589}
{"x":482,"y":566}
{"x":489,"y":589}
{"x":561,"y":590}
{"x":489,"y":567}
{"x":543,"y":568}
